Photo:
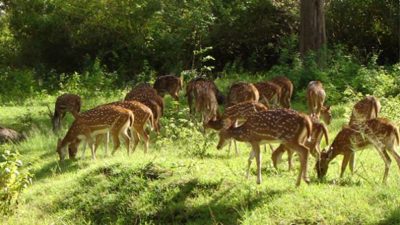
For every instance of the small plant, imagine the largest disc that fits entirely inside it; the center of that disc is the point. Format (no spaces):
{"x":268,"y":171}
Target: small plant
{"x":12,"y":181}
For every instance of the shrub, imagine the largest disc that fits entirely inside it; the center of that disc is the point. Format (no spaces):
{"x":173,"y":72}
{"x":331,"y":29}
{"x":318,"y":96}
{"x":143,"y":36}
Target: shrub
{"x":12,"y":181}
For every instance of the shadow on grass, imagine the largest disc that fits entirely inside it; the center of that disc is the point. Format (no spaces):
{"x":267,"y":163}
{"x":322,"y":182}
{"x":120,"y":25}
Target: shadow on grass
{"x":393,"y":218}
{"x":151,"y":195}
{"x":222,"y":209}
{"x":55,"y":168}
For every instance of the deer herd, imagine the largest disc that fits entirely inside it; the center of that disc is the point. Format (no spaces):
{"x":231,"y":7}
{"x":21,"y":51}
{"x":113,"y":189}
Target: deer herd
{"x":255,"y":113}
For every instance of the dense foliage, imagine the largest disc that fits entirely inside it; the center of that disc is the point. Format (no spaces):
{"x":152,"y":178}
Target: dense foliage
{"x":12,"y":181}
{"x":130,"y":36}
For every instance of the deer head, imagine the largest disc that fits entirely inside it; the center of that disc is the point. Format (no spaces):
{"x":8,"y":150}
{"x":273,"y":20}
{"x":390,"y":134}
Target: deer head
{"x":61,"y":150}
{"x":322,"y":163}
{"x":326,"y":114}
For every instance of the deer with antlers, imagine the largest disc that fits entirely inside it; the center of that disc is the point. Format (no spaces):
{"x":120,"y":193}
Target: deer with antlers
{"x":319,"y":130}
{"x":367,"y":108}
{"x":87,"y":125}
{"x":235,"y":114}
{"x":380,"y":133}
{"x":242,"y":92}
{"x":286,"y":90}
{"x":65,"y":103}
{"x":315,"y":100}
{"x":270,"y":93}
{"x":273,"y":126}
{"x":168,"y":84}
{"x":198,"y":83}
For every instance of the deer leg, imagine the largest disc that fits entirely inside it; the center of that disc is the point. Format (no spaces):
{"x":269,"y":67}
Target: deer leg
{"x":256,"y":149}
{"x":395,"y":155}
{"x":83,"y":149}
{"x":236,"y":149}
{"x":303,"y":152}
{"x":352,"y":162}
{"x":345,"y":161}
{"x":277,"y":155}
{"x":135,"y":140}
{"x":290,"y":156}
{"x":115,"y":138}
{"x":145,"y":138}
{"x":229,"y":147}
{"x":127,"y":140}
{"x":106,"y":143}
{"x":251,"y":157}
{"x":387,"y":161}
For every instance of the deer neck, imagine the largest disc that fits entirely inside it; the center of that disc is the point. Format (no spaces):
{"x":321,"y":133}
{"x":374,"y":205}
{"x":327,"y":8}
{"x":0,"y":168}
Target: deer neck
{"x":240,"y":134}
{"x":332,"y":152}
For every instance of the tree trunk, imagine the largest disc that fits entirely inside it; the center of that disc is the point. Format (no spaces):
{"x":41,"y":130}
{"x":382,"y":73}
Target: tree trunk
{"x":312,"y":26}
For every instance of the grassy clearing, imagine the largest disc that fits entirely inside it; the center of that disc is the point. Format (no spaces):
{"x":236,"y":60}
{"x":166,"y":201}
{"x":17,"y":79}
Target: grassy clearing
{"x":184,"y":179}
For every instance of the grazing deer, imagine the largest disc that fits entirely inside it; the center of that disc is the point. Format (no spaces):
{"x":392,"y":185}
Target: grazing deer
{"x":147,"y":95}
{"x":201,"y":82}
{"x":168,"y":84}
{"x":367,"y":108}
{"x":319,"y":130}
{"x":87,"y":125}
{"x":65,"y":103}
{"x":378,"y":132}
{"x":286,"y":90}
{"x":234,"y":114}
{"x":270,"y":93}
{"x":282,"y":126}
{"x":242,"y":92}
{"x":315,"y":100}
{"x":142,"y":114}
{"x":206,"y":103}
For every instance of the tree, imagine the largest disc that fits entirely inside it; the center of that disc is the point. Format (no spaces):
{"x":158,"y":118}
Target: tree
{"x":312,"y":26}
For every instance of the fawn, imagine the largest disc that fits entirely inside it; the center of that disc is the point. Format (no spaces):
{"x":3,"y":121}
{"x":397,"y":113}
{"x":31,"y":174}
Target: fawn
{"x":378,"y":132}
{"x":65,"y":103}
{"x":286,"y":90}
{"x":319,"y":130}
{"x":168,"y":84}
{"x":87,"y":125}
{"x":367,"y":108}
{"x":280,"y":125}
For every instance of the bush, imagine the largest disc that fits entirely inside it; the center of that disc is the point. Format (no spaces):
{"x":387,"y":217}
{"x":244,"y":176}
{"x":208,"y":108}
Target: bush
{"x":12,"y":181}
{"x":17,"y":84}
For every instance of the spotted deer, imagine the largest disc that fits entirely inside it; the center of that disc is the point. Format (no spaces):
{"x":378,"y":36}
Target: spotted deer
{"x":242,"y":92}
{"x":65,"y":103}
{"x":168,"y":84}
{"x":319,"y":130}
{"x":87,"y":125}
{"x":142,"y":114}
{"x":315,"y":100}
{"x":367,"y":108}
{"x":286,"y":90}
{"x":147,"y":95}
{"x":273,"y":126}
{"x":380,"y":133}
{"x":235,"y":114}
{"x":270,"y":93}
{"x":198,"y":83}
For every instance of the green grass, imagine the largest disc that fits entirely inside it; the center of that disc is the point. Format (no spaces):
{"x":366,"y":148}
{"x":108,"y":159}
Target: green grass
{"x":185,"y":180}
